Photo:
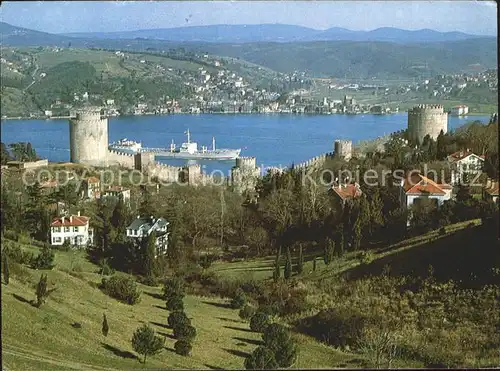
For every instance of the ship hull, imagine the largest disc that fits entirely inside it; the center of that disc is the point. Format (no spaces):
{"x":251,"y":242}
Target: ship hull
{"x":209,"y":155}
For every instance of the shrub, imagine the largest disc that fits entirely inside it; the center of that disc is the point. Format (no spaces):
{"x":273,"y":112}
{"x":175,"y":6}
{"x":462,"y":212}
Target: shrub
{"x":183,"y":347}
{"x":178,"y":318}
{"x":106,"y":269}
{"x":296,"y":303}
{"x":175,"y":303}
{"x":45,"y":260}
{"x":239,"y":299}
{"x":173,"y":287}
{"x":149,"y":281}
{"x":247,"y":312}
{"x":17,"y":254}
{"x":259,"y":322}
{"x":336,"y":328}
{"x":122,"y":288}
{"x":271,"y":309}
{"x":145,"y":342}
{"x":442,"y":231}
{"x":185,"y":332}
{"x":261,"y":358}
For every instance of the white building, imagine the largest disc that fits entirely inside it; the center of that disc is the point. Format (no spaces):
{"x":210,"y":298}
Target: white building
{"x":117,"y":192}
{"x":142,"y":227}
{"x":73,"y":228}
{"x":459,"y":110}
{"x":91,"y":188}
{"x":465,"y":164}
{"x":415,"y":188}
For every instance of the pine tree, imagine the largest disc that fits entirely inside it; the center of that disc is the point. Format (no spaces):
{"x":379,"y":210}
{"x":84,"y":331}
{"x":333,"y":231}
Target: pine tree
{"x":41,"y":290}
{"x":277,"y":271}
{"x":300,"y":263}
{"x":314,"y":264}
{"x":145,"y":341}
{"x":288,"y":264}
{"x":105,"y":326}
{"x":5,"y":269}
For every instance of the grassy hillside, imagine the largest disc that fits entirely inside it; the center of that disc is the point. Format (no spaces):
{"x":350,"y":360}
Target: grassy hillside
{"x":44,"y":339}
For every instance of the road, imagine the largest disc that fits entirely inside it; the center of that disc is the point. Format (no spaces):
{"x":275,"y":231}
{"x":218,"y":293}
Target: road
{"x":32,"y":75}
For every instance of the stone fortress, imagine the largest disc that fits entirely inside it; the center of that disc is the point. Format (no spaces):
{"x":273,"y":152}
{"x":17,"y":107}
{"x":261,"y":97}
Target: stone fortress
{"x":244,"y":174}
{"x":426,"y":119}
{"x":343,"y":149}
{"x":89,"y":146}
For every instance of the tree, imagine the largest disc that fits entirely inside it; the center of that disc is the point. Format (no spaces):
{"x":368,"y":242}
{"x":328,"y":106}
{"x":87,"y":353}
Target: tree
{"x":239,"y":299}
{"x":341,"y":248}
{"x":314,"y":264}
{"x":178,"y":318}
{"x":149,"y":265}
{"x":41,"y":291}
{"x":45,"y":260}
{"x":329,"y":251}
{"x":277,"y":272}
{"x":261,"y":358}
{"x":183,"y":347}
{"x":288,"y":264}
{"x":300,"y":263}
{"x":4,"y":154}
{"x":278,"y":339}
{"x":175,"y":304}
{"x":441,"y":146}
{"x":259,"y":322}
{"x":247,"y":312}
{"x":173,"y":287}
{"x":5,"y":269}
{"x":145,"y":341}
{"x":105,"y":326}
{"x":185,"y":332}
{"x":376,"y":213}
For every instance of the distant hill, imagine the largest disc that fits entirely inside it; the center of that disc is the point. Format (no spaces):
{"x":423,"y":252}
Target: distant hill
{"x":352,"y":59}
{"x":279,"y":33}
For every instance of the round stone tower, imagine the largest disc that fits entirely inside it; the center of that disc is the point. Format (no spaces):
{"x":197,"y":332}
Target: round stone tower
{"x":343,"y":149}
{"x":88,"y":133}
{"x":246,"y":162}
{"x":426,"y":120}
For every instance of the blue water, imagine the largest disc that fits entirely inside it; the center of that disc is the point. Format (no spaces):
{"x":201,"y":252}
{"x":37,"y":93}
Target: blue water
{"x":275,"y":140}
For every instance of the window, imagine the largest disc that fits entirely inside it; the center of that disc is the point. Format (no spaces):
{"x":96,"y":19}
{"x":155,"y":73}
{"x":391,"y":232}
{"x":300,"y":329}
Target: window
{"x":66,"y":229}
{"x":75,"y":229}
{"x":57,"y":229}
{"x":57,"y":239}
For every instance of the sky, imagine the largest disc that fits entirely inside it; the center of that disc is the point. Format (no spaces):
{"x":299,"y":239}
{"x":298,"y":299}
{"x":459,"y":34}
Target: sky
{"x":473,"y":17}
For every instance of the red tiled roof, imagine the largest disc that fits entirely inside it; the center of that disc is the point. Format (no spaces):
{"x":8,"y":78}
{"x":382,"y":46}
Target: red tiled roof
{"x":460,"y":155}
{"x":419,"y":184}
{"x":49,"y":184}
{"x":75,"y":221}
{"x":116,"y":189}
{"x":348,"y":191}
{"x":93,"y":179}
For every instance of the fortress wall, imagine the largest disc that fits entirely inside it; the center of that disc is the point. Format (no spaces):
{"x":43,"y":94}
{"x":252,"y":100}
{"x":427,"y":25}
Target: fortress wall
{"x":125,"y":160}
{"x":343,"y":149}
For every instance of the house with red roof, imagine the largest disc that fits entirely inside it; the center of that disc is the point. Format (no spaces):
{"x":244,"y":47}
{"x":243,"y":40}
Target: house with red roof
{"x":416,"y":187}
{"x":117,"y":192}
{"x":465,"y":165}
{"x":346,"y":192}
{"x":73,"y":228}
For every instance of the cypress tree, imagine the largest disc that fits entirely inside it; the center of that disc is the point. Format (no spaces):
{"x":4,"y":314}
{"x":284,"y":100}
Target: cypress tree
{"x":149,"y":256}
{"x":41,"y":290}
{"x":300,"y":264}
{"x":314,"y":264}
{"x":105,"y":326}
{"x":340,"y":250}
{"x":288,"y":264}
{"x":5,"y":269}
{"x":277,"y":271}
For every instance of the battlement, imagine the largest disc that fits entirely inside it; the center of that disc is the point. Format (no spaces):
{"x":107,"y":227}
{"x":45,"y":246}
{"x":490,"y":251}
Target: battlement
{"x":246,"y":162}
{"x":427,"y":108}
{"x":118,"y":153}
{"x":91,"y":113}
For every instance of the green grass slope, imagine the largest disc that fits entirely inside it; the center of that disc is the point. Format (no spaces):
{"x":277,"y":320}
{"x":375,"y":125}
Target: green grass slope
{"x":43,"y":339}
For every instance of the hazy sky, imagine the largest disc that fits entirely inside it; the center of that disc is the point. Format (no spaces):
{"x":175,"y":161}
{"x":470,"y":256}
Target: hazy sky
{"x":475,"y":17}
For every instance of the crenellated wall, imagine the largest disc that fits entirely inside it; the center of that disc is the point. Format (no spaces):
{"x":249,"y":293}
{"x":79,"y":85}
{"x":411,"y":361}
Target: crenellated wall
{"x":343,"y":149}
{"x":244,"y":175}
{"x":316,"y":162}
{"x":121,"y":159}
